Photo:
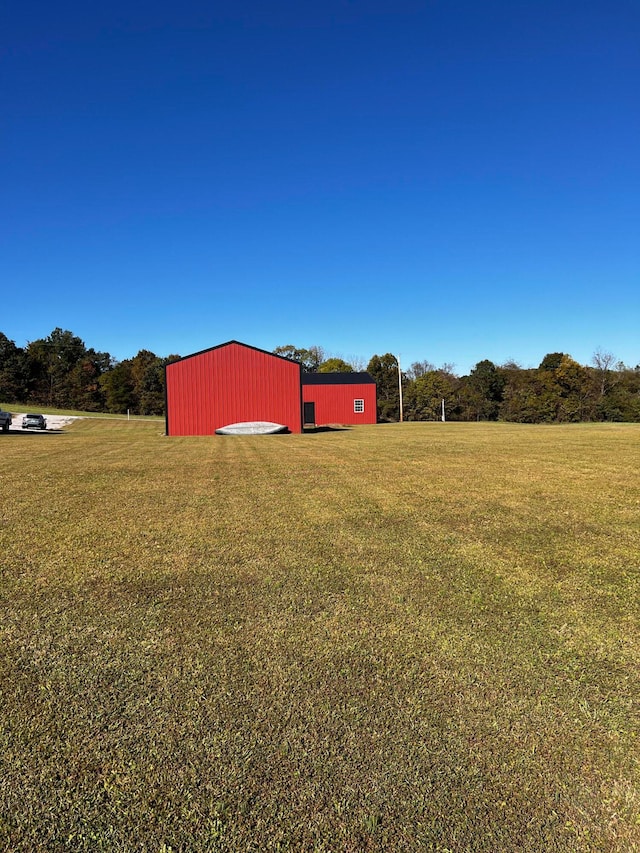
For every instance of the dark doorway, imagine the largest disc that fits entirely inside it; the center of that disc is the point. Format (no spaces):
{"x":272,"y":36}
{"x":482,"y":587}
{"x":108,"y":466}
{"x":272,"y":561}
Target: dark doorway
{"x":310,"y":413}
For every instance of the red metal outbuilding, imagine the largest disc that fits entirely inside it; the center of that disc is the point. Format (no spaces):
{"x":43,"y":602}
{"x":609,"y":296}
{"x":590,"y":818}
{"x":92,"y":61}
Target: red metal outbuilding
{"x":233,"y":382}
{"x":339,"y":398}
{"x":229,"y":384}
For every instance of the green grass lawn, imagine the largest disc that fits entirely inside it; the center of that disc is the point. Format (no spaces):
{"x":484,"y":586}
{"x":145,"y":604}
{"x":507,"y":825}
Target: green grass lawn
{"x":405,"y":637}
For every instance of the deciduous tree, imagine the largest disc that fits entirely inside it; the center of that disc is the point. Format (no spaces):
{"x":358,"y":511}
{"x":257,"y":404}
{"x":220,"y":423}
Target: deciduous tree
{"x":483,"y":391}
{"x":13,"y":371}
{"x":429,"y":390}
{"x":603,"y":363}
{"x":384,"y":369}
{"x":51,"y":361}
{"x":310,"y":359}
{"x":335,"y":365}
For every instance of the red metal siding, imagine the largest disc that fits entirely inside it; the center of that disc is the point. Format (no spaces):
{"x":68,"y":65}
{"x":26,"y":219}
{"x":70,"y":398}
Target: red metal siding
{"x":229,"y":384}
{"x":334,"y":403}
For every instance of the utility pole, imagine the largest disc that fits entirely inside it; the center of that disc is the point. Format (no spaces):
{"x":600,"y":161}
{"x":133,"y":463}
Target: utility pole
{"x":400,"y":386}
{"x":443,"y":417}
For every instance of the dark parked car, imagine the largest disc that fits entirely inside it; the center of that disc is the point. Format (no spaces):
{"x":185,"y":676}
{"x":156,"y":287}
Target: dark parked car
{"x":34,"y":422}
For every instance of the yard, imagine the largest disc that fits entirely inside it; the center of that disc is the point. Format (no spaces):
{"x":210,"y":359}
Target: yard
{"x":401,"y":637}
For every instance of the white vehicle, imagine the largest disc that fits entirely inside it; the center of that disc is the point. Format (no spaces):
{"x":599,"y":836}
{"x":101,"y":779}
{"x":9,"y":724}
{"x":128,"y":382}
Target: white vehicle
{"x":34,"y":422}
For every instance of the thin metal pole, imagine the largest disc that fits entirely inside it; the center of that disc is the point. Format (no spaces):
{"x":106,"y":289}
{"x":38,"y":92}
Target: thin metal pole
{"x":400,"y":387}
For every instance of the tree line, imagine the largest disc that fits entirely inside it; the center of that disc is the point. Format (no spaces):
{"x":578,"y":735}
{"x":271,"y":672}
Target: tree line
{"x":59,"y":371}
{"x":559,"y":390}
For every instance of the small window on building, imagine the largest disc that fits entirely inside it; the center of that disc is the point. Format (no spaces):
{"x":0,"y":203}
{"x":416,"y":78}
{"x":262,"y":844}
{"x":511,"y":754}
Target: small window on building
{"x":358,"y":406}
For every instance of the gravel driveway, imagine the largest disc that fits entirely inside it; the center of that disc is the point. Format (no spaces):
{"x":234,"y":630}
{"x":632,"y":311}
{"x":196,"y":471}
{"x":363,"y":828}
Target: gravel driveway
{"x":54,"y":422}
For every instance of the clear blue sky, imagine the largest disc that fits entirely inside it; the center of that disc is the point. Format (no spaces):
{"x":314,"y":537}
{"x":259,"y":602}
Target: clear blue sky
{"x":449,"y":180}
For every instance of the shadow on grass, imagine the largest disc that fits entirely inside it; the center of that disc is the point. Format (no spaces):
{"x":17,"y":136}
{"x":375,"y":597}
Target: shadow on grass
{"x":30,"y":433}
{"x":311,"y":429}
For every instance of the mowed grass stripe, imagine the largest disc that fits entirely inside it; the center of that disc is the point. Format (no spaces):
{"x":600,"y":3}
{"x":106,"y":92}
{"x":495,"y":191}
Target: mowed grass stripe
{"x":407,"y":637}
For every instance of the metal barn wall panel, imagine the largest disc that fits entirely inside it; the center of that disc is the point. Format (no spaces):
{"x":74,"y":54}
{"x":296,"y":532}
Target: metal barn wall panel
{"x":334,"y":403}
{"x":229,"y":384}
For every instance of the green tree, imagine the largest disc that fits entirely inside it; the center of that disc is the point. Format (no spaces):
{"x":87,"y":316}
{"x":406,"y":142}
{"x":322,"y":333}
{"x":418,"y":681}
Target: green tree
{"x":528,"y":397}
{"x":310,"y":359}
{"x":622,"y":399}
{"x":13,"y":371}
{"x":428,"y":392}
{"x":574,"y":391}
{"x":384,"y":369}
{"x":117,"y":388}
{"x":335,"y":365}
{"x":551,"y":361}
{"x":483,"y":390}
{"x":147,"y":375}
{"x":85,"y":389}
{"x":51,"y":361}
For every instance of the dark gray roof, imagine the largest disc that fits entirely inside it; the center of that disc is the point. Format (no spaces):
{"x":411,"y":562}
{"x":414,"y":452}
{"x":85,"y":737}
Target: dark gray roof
{"x":337,"y":379}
